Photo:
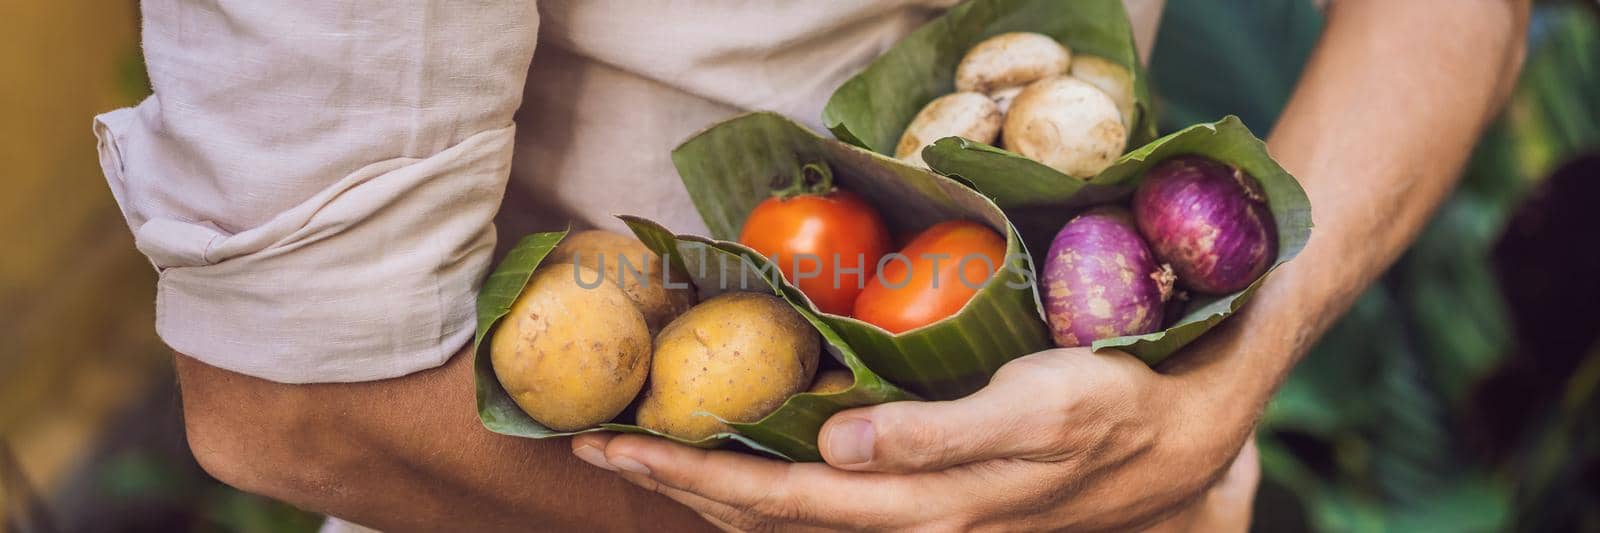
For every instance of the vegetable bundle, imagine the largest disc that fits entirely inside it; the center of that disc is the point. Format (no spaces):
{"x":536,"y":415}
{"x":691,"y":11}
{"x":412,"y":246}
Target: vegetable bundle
{"x":716,"y":272}
{"x":1067,"y":239}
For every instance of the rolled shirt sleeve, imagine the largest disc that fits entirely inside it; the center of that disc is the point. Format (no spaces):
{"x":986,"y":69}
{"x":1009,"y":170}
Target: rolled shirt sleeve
{"x":315,"y":181}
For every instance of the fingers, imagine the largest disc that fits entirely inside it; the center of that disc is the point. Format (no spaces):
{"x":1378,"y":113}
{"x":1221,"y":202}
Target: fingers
{"x":907,"y":437}
{"x":721,"y":515}
{"x":1024,"y":413}
{"x":1226,"y":506}
{"x":719,"y":524}
{"x":590,"y":447}
{"x":748,"y":492}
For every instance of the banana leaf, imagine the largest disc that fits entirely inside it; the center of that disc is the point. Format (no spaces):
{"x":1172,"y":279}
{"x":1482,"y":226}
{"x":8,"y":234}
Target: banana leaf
{"x":730,"y":167}
{"x":1040,"y":200}
{"x":790,"y":432}
{"x":871,"y":109}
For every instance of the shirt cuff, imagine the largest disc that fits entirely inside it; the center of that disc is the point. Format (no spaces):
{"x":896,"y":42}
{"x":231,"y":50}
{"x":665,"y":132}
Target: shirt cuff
{"x":372,"y":277}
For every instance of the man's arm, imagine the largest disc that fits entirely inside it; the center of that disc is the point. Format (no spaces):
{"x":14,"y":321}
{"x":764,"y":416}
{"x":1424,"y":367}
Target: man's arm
{"x":403,"y":454}
{"x":1384,"y":118}
{"x":1377,"y":131}
{"x":316,"y":181}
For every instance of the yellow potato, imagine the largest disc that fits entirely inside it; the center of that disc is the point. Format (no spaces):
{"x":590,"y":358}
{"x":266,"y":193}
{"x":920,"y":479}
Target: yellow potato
{"x":738,"y":356}
{"x":643,"y":282}
{"x":571,"y":357}
{"x":832,"y":380}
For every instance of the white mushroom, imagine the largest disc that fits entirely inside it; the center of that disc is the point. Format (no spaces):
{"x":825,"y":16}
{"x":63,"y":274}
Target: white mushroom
{"x":969,"y":115}
{"x":1111,"y":78}
{"x":1003,"y":97}
{"x":1067,"y":125}
{"x":1011,"y":60}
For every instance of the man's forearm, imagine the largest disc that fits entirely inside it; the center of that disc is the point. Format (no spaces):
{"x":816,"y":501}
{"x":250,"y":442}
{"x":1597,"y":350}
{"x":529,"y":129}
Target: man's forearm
{"x":404,"y":454}
{"x":1385,"y":116}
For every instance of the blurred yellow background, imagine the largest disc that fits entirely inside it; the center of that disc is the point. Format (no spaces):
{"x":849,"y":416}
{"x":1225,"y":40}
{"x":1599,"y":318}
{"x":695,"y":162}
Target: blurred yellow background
{"x":72,"y":286}
{"x":90,"y":435}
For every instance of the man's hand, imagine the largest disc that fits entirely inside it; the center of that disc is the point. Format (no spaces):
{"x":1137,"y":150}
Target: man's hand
{"x":1062,"y":439}
{"x":1073,"y":440}
{"x":1383,"y":119}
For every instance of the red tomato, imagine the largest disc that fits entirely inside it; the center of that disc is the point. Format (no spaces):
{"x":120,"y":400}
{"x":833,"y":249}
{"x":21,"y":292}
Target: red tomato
{"x":815,"y":237}
{"x":929,"y":280}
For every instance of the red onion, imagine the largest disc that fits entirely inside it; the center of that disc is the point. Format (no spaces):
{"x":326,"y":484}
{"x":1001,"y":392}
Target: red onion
{"x":1101,"y":281}
{"x":1209,"y":221}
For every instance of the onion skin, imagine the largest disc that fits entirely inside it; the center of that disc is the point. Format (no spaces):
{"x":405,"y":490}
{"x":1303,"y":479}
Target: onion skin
{"x":1101,"y":281}
{"x":1209,"y":221}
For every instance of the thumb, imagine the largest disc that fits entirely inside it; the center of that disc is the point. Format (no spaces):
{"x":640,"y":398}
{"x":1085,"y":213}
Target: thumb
{"x":904,"y":437}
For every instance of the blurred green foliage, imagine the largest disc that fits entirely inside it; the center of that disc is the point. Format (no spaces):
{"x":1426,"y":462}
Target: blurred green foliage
{"x":148,"y":481}
{"x":141,"y":477}
{"x":1383,"y":426}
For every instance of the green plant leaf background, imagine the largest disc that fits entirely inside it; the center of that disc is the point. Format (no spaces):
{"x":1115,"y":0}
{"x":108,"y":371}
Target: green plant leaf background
{"x":871,"y":109}
{"x":790,"y":432}
{"x":1039,"y":201}
{"x":1429,"y":406}
{"x":731,"y":167}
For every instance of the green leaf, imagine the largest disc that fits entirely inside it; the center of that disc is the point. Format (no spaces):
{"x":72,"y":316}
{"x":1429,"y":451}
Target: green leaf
{"x":1040,"y":200}
{"x":495,"y":408}
{"x":789,"y":432}
{"x":729,"y":168}
{"x":871,"y":109}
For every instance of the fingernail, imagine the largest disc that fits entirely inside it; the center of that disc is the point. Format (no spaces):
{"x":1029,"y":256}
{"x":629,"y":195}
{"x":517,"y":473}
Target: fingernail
{"x":630,"y":465}
{"x":594,"y":456}
{"x":850,"y":442}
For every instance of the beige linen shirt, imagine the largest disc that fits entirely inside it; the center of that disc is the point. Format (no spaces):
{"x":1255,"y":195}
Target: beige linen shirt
{"x":317,"y":181}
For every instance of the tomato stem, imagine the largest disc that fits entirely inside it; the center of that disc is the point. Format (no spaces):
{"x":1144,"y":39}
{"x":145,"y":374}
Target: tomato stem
{"x":813,"y":178}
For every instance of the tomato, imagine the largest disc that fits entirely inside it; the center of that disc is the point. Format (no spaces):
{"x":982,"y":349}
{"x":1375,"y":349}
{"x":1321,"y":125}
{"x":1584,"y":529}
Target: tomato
{"x":816,"y":237}
{"x":928,"y":280}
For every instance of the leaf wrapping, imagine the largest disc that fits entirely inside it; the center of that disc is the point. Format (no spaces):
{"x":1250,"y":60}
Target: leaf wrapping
{"x":729,"y":168}
{"x":790,"y":432}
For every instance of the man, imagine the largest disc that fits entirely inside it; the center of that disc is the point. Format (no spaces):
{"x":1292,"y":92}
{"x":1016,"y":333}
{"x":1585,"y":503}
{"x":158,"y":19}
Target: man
{"x":316,"y":182}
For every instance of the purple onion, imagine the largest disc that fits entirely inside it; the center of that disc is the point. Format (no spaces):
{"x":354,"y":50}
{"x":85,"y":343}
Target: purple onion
{"x":1101,"y":281}
{"x":1209,"y":221}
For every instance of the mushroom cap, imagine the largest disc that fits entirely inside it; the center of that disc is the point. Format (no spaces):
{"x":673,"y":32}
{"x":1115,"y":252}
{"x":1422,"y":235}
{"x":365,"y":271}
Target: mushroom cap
{"x":1003,"y":97}
{"x":1111,"y":78}
{"x":1067,"y":125}
{"x":1011,"y":60}
{"x":968,"y":115}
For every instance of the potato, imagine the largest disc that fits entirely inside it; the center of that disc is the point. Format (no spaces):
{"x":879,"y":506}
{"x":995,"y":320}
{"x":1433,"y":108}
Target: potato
{"x":832,"y":380}
{"x":643,"y":283}
{"x":737,"y":356}
{"x":571,"y":357}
